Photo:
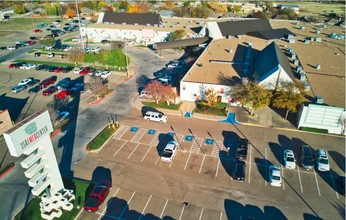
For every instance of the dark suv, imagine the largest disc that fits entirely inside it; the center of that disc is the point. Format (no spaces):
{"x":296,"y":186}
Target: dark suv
{"x":306,"y":157}
{"x":239,"y":171}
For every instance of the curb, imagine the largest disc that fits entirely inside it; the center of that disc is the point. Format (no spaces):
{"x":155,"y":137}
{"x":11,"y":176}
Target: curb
{"x":130,"y":77}
{"x":54,"y":133}
{"x":106,"y":142}
{"x":8,"y":170}
{"x":99,"y":100}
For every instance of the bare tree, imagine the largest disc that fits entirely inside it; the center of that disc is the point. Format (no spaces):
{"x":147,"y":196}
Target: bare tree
{"x":155,"y":89}
{"x":168,"y":93}
{"x":97,"y":86}
{"x":76,"y":55}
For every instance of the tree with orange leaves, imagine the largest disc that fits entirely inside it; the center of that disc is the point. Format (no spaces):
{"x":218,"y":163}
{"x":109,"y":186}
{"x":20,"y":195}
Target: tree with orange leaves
{"x":70,"y":13}
{"x":169,"y":4}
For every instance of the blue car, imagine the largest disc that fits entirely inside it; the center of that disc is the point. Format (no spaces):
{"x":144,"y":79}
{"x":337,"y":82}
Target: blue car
{"x":18,"y":88}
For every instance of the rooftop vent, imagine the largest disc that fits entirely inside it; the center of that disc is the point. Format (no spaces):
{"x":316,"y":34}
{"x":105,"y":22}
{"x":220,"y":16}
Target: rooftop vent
{"x":319,"y":100}
{"x":148,"y":24}
{"x":229,"y":36}
{"x":155,"y":25}
{"x":135,"y":24}
{"x":124,"y":23}
{"x":318,"y":66}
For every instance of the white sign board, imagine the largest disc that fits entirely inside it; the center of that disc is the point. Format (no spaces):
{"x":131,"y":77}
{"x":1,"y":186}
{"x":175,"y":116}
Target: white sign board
{"x":24,"y":135}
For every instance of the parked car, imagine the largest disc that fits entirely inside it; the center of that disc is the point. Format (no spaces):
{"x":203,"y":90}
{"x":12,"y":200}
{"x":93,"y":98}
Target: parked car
{"x":61,"y":117}
{"x":51,"y":55}
{"x":66,"y":86}
{"x":25,"y":82}
{"x":242,"y":149}
{"x":18,"y":88}
{"x":16,"y":65}
{"x":52,"y":68}
{"x":64,"y":93}
{"x":63,"y":82}
{"x":274,"y":176}
{"x":34,"y":90}
{"x":37,"y":54}
{"x":78,"y":87}
{"x":49,"y":91}
{"x":289,"y":159}
{"x":97,"y":196}
{"x":105,"y":41}
{"x":173,"y":64}
{"x":306,"y":158}
{"x":58,"y":69}
{"x":77,"y":70}
{"x":30,"y":42}
{"x":30,"y":66}
{"x":11,"y":48}
{"x":144,"y":94}
{"x":33,"y":82}
{"x":84,"y":71}
{"x":3,"y":48}
{"x":37,"y":30}
{"x":47,"y":82}
{"x":40,"y":67}
{"x":67,"y":69}
{"x":169,"y":151}
{"x":155,"y":116}
{"x":238,"y":172}
{"x":322,"y":160}
{"x":33,"y":38}
{"x":105,"y":74}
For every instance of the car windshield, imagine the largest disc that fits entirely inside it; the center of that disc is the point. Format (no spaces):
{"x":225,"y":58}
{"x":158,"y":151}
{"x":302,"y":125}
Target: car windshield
{"x":290,"y":159}
{"x":92,"y":201}
{"x":275,"y":177}
{"x":324,"y":161}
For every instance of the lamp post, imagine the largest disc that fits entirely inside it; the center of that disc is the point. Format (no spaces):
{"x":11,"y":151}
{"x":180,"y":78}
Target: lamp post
{"x":127,"y":64}
{"x":80,"y":31}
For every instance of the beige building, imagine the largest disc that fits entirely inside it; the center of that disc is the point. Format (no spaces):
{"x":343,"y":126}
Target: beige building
{"x":5,"y":121}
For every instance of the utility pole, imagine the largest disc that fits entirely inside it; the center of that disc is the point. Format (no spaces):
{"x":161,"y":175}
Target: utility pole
{"x":80,"y":31}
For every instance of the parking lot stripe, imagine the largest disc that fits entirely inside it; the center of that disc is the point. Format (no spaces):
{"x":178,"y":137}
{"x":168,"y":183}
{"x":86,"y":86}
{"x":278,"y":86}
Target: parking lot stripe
{"x":127,"y":204}
{"x":104,"y":210}
{"x":200,"y":216}
{"x":133,"y":151}
{"x":120,"y":148}
{"x":250,"y":164}
{"x":155,"y":141}
{"x":157,"y":160}
{"x":119,"y":133}
{"x":300,"y":180}
{"x":201,"y":164}
{"x":283,"y":178}
{"x":181,"y":213}
{"x":265,"y":166}
{"x":336,"y":191}
{"x":139,"y":135}
{"x":221,"y":215}
{"x":164,"y":207}
{"x":318,"y":187}
{"x":145,"y":208}
{"x":217,"y":168}
{"x":146,"y":153}
{"x":187,"y":161}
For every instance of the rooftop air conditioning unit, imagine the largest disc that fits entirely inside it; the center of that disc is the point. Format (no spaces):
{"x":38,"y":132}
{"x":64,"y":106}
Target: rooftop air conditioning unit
{"x":136,"y":24}
{"x":155,"y":25}
{"x":124,"y":23}
{"x":148,"y":24}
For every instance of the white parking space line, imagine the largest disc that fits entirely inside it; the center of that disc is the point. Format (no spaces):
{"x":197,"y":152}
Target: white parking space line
{"x":249,"y":179}
{"x":217,"y":168}
{"x":181,"y":213}
{"x":283,"y":178}
{"x":221,"y":215}
{"x":200,"y":168}
{"x":104,"y":210}
{"x":119,"y":133}
{"x":265,"y":166}
{"x":146,"y":153}
{"x":195,"y":148}
{"x":120,"y":149}
{"x":139,"y":135}
{"x":300,"y":180}
{"x":187,"y":161}
{"x":155,"y":140}
{"x":170,"y":164}
{"x":133,"y":151}
{"x":157,"y":160}
{"x":216,"y":149}
{"x":127,"y":205}
{"x":318,"y":187}
{"x":164,"y":207}
{"x":200,"y":216}
{"x":336,"y":192}
{"x":145,"y":207}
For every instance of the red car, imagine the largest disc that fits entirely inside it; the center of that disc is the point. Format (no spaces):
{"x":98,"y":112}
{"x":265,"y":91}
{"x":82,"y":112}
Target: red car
{"x":49,"y":91}
{"x":37,"y":30}
{"x":64,"y":94}
{"x":30,"y":42}
{"x":47,"y":82}
{"x":58,"y":70}
{"x":96,"y":197}
{"x":84,"y":71}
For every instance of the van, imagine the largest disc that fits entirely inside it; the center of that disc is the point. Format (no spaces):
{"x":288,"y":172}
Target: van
{"x":155,"y":116}
{"x":307,"y":161}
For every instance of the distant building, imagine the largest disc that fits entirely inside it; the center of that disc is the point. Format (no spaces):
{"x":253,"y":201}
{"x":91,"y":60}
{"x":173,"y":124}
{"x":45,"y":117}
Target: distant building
{"x":87,"y":12}
{"x":5,"y":121}
{"x":292,"y":7}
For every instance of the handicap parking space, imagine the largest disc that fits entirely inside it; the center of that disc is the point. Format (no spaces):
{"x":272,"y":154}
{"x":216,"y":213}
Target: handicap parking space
{"x":139,"y":134}
{"x":128,"y":135}
{"x":208,"y":147}
{"x":149,"y":136}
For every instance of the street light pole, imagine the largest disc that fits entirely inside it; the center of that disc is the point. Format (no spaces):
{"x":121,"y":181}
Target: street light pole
{"x":80,"y":31}
{"x":127,"y":64}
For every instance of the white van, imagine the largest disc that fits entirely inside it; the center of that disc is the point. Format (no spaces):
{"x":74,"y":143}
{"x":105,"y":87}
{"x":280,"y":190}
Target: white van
{"x":155,"y":116}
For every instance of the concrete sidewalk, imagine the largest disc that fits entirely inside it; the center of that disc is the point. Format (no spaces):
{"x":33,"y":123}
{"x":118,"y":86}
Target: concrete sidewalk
{"x":264,"y":117}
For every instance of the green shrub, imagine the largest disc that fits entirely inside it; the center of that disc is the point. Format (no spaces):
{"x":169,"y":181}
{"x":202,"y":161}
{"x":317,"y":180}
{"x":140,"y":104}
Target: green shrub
{"x":101,"y":138}
{"x":316,"y":130}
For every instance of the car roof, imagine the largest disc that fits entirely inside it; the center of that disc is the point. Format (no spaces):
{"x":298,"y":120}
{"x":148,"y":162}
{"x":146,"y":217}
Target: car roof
{"x":322,"y":152}
{"x":170,"y":145}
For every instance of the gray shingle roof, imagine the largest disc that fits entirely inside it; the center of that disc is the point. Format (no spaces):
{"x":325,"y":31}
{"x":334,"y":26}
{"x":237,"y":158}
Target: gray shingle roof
{"x":132,"y":18}
{"x":180,"y":43}
{"x":270,"y":34}
{"x":267,"y":62}
{"x":242,"y":27}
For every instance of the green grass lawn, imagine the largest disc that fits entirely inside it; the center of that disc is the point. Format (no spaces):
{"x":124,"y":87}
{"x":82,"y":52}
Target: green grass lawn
{"x":25,"y":23}
{"x":162,"y":105}
{"x":101,"y":138}
{"x":80,"y":187}
{"x":315,"y":130}
{"x":318,"y":8}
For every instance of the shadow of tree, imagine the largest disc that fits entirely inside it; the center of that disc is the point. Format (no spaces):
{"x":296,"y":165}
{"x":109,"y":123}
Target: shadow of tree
{"x":101,"y":174}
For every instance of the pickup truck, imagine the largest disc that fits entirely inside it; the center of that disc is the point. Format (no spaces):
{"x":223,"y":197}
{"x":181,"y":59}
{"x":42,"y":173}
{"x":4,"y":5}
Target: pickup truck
{"x":242,"y":147}
{"x":96,"y":197}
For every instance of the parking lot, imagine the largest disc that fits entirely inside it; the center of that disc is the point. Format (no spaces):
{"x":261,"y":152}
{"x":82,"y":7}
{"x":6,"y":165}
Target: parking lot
{"x":206,"y":161}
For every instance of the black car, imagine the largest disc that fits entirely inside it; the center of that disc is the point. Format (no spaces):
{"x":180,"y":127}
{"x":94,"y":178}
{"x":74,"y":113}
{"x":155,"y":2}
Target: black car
{"x":105,"y":41}
{"x":33,"y":90}
{"x":39,"y":67}
{"x":67,"y":69}
{"x":20,"y":45}
{"x":242,"y":149}
{"x":33,"y":38}
{"x":33,"y":82}
{"x":52,"y":68}
{"x":3,"y":48}
{"x":46,"y":67}
{"x":37,"y":54}
{"x":239,"y":171}
{"x":306,"y":158}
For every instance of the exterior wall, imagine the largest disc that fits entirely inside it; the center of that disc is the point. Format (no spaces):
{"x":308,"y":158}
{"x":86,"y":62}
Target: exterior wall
{"x":190,"y":91}
{"x":270,"y":81}
{"x":5,"y":121}
{"x":98,"y":34}
{"x":322,"y":117}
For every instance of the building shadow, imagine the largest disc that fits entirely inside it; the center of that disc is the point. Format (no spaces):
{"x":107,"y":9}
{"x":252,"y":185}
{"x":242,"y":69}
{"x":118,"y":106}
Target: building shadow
{"x":101,"y":174}
{"x":14,"y":106}
{"x":236,"y":210}
{"x":263,"y":167}
{"x":338,"y":158}
{"x":291,"y":117}
{"x":163,"y":141}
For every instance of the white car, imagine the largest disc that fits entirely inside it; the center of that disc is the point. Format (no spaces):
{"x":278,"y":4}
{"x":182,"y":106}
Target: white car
{"x":67,"y":48}
{"x":322,"y":160}
{"x":173,"y":64}
{"x":30,"y":66}
{"x":144,"y":94}
{"x":289,"y":159}
{"x":275,"y":176}
{"x":24,"y":82}
{"x":169,"y":151}
{"x":11,"y":48}
{"x":100,"y":72}
{"x":51,"y":55}
{"x":95,"y":49}
{"x":23,"y":67}
{"x":77,"y":70}
{"x":155,"y":116}
{"x":105,"y":74}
